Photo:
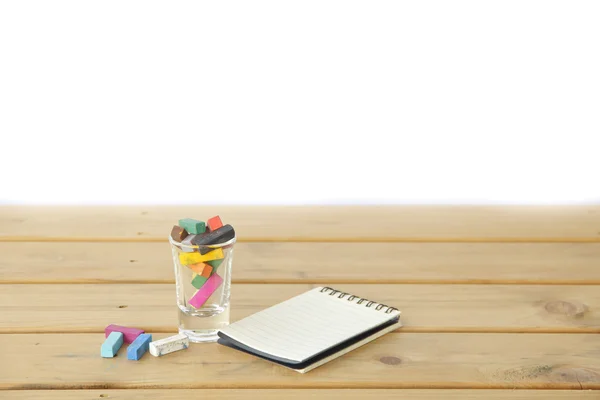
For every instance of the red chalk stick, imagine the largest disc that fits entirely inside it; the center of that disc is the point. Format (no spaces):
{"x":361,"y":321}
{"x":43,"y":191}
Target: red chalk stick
{"x":214,"y":223}
{"x":129,"y":334}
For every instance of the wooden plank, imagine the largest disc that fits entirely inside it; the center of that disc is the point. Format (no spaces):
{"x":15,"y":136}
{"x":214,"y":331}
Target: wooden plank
{"x":425,"y":308}
{"x":506,"y":263}
{"x":395,"y":361}
{"x":310,"y":223}
{"x":300,"y":394}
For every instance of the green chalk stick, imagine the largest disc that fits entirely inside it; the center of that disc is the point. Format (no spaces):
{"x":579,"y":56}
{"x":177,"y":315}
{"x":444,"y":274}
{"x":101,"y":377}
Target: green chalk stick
{"x":199,"y":281}
{"x":193,"y":226}
{"x":215,"y":263}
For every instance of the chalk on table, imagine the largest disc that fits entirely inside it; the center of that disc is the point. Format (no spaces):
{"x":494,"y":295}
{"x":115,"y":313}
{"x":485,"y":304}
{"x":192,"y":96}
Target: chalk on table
{"x":169,"y":345}
{"x":129,"y":334}
{"x":136,"y":350}
{"x":111,"y":345}
{"x":203,"y":294}
{"x":195,"y":258}
{"x":193,"y":226}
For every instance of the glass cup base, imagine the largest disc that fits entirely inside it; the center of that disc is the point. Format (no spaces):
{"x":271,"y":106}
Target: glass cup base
{"x":203,"y":336}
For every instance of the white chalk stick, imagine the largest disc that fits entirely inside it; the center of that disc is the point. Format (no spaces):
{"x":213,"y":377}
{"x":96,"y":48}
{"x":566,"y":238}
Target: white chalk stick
{"x":168,"y":345}
{"x":187,"y":241}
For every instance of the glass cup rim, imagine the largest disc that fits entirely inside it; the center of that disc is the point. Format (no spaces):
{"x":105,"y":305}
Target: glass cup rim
{"x":210,"y":246}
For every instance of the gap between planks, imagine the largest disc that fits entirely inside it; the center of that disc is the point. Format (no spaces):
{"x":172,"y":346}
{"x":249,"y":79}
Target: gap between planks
{"x":405,"y":329}
{"x":33,"y":387}
{"x":302,"y":394}
{"x":74,"y":239}
{"x":315,"y":281}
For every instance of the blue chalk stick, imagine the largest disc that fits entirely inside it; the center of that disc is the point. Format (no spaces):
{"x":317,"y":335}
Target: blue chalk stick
{"x":140,"y":345}
{"x":111,"y":344}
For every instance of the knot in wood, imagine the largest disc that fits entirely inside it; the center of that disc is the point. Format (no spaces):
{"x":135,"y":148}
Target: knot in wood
{"x":389,"y":360}
{"x":574,"y":375}
{"x":566,"y":308}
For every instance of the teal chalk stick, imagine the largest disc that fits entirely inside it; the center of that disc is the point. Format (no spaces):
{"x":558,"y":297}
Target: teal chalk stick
{"x":140,"y":345}
{"x":193,"y":226}
{"x":215,"y":264}
{"x":111,"y":344}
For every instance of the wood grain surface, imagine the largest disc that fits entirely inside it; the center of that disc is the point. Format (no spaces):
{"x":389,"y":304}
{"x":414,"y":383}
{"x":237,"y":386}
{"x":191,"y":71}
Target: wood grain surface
{"x":299,"y":394}
{"x":309,"y":223}
{"x":498,"y":302}
{"x":522,"y":263}
{"x":395,"y":361}
{"x":425,"y":308}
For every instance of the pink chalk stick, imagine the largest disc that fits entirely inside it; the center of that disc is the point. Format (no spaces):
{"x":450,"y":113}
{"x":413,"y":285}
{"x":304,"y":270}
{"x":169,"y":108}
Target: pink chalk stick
{"x":206,"y":291}
{"x":129,"y":334}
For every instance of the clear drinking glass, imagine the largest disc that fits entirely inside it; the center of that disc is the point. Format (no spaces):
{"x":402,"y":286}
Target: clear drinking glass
{"x":202,"y":296}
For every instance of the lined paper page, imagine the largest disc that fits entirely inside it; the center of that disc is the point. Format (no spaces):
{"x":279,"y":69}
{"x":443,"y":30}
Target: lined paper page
{"x":305,"y":325}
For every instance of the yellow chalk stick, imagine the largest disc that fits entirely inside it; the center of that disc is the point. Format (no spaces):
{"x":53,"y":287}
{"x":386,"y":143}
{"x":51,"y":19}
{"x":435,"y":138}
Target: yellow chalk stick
{"x":195,"y":258}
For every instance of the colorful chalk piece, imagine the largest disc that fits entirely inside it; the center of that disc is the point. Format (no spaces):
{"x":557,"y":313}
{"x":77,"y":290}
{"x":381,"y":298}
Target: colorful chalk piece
{"x":193,"y":226}
{"x":136,"y":350}
{"x":111,"y":345}
{"x":215,"y":263}
{"x":214,"y":223}
{"x":169,"y":345}
{"x":129,"y":334}
{"x":202,"y":273}
{"x":201,"y":269}
{"x":195,"y":258}
{"x":221,"y":235}
{"x":178,"y":233}
{"x":203,"y":294}
{"x":187,"y":242}
{"x":199,"y":281}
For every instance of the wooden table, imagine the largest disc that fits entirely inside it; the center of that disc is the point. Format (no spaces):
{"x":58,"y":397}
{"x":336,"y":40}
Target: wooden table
{"x":493,"y":299}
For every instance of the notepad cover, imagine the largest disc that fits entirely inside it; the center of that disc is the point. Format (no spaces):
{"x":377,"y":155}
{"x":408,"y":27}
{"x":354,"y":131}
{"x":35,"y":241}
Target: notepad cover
{"x":311,"y":329}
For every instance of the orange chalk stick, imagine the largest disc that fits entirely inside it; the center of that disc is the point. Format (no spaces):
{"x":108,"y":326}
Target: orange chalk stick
{"x":214,"y":223}
{"x":201,"y":269}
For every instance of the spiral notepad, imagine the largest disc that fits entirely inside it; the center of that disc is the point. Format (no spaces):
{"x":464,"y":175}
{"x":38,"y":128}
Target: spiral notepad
{"x":311,"y":329}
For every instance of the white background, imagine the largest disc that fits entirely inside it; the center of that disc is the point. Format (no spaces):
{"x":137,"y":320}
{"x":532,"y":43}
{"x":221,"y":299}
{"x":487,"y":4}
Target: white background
{"x":299,"y":102}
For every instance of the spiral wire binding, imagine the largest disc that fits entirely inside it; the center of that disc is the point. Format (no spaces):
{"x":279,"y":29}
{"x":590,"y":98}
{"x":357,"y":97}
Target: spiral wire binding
{"x":361,"y":300}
